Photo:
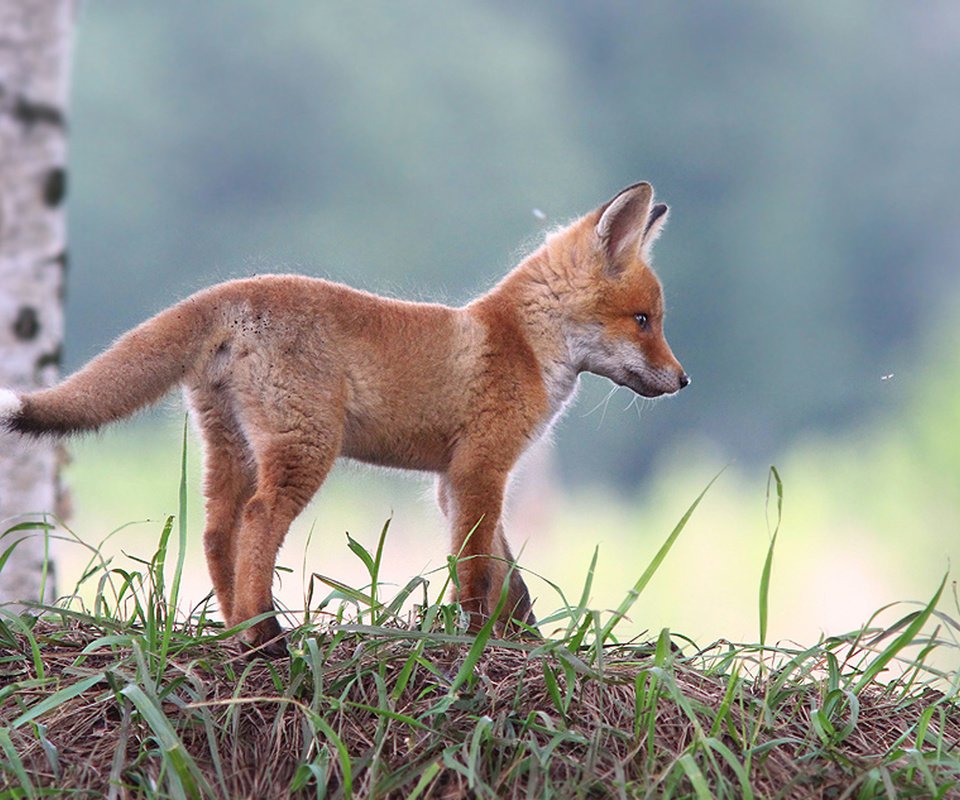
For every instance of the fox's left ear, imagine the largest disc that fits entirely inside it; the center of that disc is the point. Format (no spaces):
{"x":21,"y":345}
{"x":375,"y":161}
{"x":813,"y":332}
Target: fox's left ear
{"x":629,"y":224}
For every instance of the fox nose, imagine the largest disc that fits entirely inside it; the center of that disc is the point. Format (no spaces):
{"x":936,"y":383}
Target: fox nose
{"x":684,"y":380}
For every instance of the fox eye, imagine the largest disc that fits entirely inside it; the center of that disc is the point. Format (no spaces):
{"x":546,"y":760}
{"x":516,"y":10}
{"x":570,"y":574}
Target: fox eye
{"x":641,"y":320}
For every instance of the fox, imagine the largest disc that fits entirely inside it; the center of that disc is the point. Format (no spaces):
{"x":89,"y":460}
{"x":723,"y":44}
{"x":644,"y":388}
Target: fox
{"x":284,"y":374}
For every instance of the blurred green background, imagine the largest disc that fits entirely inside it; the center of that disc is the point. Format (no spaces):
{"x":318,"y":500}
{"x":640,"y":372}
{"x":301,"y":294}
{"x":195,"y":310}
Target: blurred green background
{"x":809,"y":153}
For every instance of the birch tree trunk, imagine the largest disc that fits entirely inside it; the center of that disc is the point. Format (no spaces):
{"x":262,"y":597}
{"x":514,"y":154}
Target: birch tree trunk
{"x":35,"y":49}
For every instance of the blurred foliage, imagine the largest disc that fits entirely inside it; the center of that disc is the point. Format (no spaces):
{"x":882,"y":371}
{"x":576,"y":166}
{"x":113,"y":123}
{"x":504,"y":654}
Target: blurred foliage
{"x":808,"y":151}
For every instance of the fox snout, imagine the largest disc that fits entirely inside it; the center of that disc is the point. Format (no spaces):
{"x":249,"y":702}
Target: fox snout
{"x":652,"y":367}
{"x":682,"y":381}
{"x":656,"y":382}
{"x":679,"y":379}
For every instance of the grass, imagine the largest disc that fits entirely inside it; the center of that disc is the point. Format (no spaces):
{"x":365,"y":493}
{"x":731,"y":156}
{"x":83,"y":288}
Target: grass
{"x":130,"y":697}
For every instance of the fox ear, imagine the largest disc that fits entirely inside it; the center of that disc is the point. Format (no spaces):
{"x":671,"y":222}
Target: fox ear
{"x":655,"y":223}
{"x":624,"y":222}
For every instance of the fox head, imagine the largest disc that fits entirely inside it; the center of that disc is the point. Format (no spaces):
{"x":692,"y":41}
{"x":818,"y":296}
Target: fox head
{"x":614,"y":309}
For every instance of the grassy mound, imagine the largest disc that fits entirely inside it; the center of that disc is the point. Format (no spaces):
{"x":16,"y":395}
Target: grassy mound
{"x":128,"y":698}
{"x":383,"y":711}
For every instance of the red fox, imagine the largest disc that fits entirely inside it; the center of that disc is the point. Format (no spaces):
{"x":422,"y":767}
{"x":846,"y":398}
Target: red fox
{"x":284,"y":373}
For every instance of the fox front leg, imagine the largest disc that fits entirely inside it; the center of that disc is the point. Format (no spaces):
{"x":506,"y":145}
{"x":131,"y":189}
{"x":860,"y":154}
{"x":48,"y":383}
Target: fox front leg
{"x":473,"y":506}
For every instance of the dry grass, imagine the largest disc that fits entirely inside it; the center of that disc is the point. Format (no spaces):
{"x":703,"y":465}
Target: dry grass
{"x":129,"y":700}
{"x":375,"y":712}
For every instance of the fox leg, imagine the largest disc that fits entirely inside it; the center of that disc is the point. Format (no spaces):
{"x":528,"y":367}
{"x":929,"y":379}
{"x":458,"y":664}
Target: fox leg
{"x":473,"y":505}
{"x":473,"y":502}
{"x":229,"y":482}
{"x":290,"y":470}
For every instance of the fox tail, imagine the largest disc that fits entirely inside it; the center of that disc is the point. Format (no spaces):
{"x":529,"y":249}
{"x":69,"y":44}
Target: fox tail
{"x":140,"y":367}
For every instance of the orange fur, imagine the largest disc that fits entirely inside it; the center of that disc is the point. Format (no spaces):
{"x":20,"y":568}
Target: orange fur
{"x":283,"y":374}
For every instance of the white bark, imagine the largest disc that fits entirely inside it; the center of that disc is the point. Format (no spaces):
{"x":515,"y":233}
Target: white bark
{"x":35,"y":45}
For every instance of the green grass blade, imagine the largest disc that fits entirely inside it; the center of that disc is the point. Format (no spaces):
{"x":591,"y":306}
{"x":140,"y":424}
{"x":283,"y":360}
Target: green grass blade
{"x":483,"y":636}
{"x":361,"y":552}
{"x":119,"y":755}
{"x":393,"y":609}
{"x":377,"y":561}
{"x":4,"y":557}
{"x":768,"y":563}
{"x":904,"y":639}
{"x":474,"y":767}
{"x":57,"y":698}
{"x":473,"y":656}
{"x":553,"y":688}
{"x":184,"y":772}
{"x":15,"y":764}
{"x":721,"y":716}
{"x":174,"y":598}
{"x":696,"y":776}
{"x":359,"y":598}
{"x":372,"y":565}
{"x":407,"y":671}
{"x":426,"y":778}
{"x":22,"y":624}
{"x":345,"y":764}
{"x":652,"y":567}
{"x":49,"y":749}
{"x":738,"y":769}
{"x":582,"y":607}
{"x":45,"y":566}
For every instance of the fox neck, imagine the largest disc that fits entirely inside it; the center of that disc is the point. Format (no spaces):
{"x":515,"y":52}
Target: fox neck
{"x":536,"y":291}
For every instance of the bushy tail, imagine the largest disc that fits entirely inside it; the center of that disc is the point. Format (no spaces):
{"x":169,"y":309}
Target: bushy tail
{"x":136,"y":371}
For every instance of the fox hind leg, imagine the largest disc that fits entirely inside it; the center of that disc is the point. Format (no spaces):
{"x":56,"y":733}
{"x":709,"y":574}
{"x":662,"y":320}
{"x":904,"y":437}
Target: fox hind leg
{"x":230,"y":479}
{"x":290,"y":470}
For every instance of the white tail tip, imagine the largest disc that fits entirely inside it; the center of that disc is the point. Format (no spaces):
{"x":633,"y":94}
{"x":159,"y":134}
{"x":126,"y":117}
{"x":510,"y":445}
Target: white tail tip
{"x":10,"y":403}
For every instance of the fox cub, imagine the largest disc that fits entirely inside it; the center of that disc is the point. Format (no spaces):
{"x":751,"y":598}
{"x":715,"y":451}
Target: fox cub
{"x":284,"y":373}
